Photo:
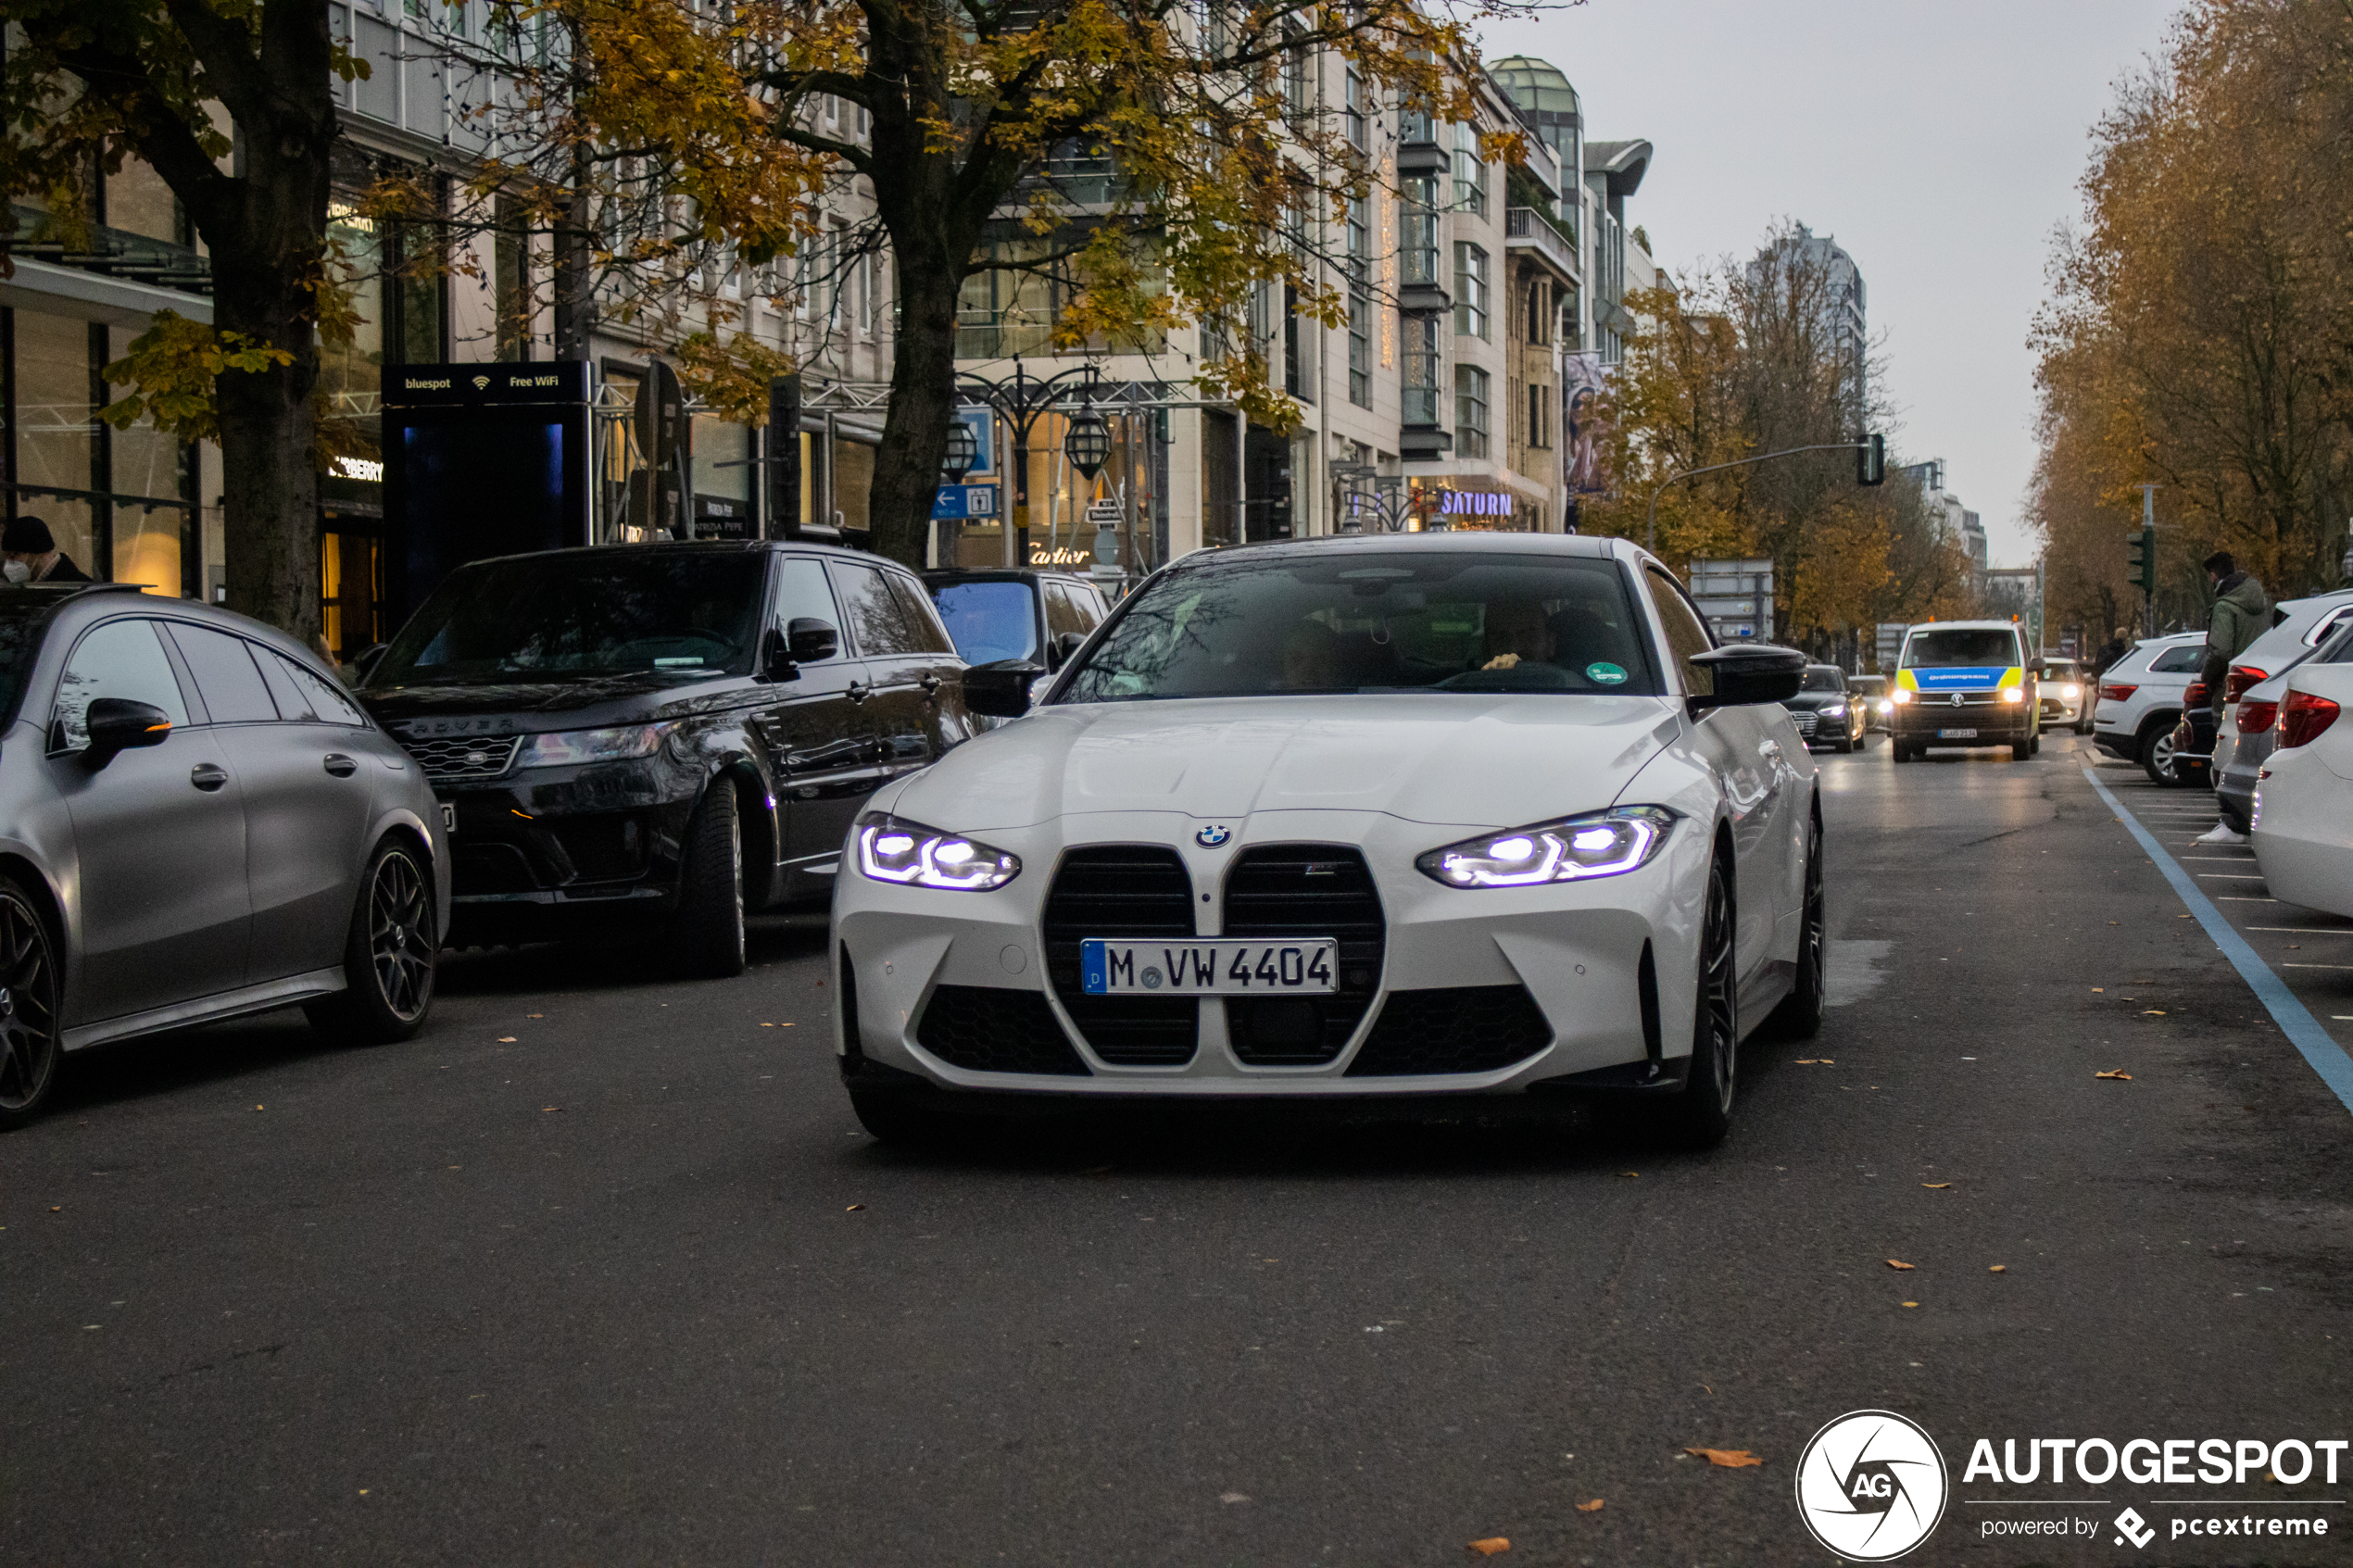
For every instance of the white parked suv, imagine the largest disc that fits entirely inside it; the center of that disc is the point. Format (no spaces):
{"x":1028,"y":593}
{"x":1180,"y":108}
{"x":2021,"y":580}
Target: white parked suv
{"x":2303,"y":805}
{"x":2257,"y":681}
{"x":2141,"y":702}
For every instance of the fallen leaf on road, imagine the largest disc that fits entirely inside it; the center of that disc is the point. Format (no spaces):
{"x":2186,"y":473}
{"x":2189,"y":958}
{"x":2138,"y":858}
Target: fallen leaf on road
{"x":2152,"y":1013}
{"x":1935,"y":1185}
{"x":2115,"y":922}
{"x":768,"y":1026}
{"x":2101,"y":990}
{"x":1809,"y":1061}
{"x":506,"y":1040}
{"x":2120,"y":1074}
{"x":1233,"y":1497}
{"x":543,"y":1109}
{"x":57,"y":1209}
{"x":1911,"y":1303}
{"x":853,"y":1209}
{"x":1593,"y":1507}
{"x":1894,"y":1263}
{"x":1491,"y":1545}
{"x":1730,"y":1459}
{"x":261,"y":1107}
{"x":1630,"y":1173}
{"x":1996,"y":1268}
{"x":535,"y":1015}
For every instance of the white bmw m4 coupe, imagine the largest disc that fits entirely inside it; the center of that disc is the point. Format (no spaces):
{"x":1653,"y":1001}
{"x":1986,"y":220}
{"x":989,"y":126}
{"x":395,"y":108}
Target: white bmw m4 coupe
{"x":1440,"y":814}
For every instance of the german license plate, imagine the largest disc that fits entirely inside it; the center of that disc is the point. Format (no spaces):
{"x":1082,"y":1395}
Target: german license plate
{"x":1956,"y":735}
{"x":449,"y":817}
{"x":1304,"y":966}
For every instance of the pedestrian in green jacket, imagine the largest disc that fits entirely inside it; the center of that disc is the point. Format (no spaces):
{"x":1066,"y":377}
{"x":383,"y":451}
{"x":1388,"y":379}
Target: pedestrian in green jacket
{"x":2242,"y":613}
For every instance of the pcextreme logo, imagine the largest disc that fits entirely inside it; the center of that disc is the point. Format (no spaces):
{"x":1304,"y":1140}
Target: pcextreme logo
{"x":1871,"y":1486}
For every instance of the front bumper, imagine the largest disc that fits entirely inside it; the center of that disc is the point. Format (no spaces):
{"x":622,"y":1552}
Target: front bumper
{"x":1575,"y":951}
{"x":1919,"y":723}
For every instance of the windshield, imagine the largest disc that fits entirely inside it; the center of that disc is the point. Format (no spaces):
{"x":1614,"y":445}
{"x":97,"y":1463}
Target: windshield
{"x":1821,"y":681}
{"x":1869,"y":685}
{"x":988,"y":621}
{"x":1358,"y":620}
{"x":1960,"y":648}
{"x":581,"y":617}
{"x":22,"y":614}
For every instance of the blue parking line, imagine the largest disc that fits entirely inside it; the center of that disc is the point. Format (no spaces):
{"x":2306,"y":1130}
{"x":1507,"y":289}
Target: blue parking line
{"x":2328,"y":1058}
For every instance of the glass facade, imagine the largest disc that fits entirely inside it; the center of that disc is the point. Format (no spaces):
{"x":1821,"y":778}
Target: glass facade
{"x":1418,"y":382}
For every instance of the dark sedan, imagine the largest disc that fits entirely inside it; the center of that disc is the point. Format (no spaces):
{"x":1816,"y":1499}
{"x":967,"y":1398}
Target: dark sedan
{"x":1827,"y":712}
{"x":645,"y":741}
{"x":198,"y":825}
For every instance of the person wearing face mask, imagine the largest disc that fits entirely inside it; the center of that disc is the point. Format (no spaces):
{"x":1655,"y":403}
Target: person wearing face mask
{"x":27,"y":554}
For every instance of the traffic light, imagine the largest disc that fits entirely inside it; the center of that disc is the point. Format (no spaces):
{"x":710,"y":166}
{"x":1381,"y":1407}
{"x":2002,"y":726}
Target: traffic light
{"x":1870,"y":460}
{"x":2140,"y":559}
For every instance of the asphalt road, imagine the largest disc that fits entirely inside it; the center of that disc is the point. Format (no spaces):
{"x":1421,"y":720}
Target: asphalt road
{"x":603,"y":1270}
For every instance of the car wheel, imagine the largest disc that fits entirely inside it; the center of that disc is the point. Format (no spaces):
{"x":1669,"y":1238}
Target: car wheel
{"x":1800,"y":1015}
{"x":2156,"y":757}
{"x":895,"y":1116}
{"x":389,"y":957}
{"x":707,"y":933}
{"x":1702,"y":1113}
{"x":29,"y":989}
{"x":1898,"y":750}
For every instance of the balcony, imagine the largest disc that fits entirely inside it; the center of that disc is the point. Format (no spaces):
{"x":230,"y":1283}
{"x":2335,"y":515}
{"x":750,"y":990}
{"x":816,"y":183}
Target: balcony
{"x":1527,"y":228}
{"x":114,"y":253}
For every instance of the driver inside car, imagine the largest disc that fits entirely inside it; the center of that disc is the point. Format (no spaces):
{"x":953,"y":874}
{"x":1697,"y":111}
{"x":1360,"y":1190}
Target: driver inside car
{"x":1517,"y":633}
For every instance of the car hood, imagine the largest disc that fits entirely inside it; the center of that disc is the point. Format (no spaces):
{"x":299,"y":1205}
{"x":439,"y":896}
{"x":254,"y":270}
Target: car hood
{"x":507,"y":707}
{"x":1806,"y":702}
{"x":1470,"y":760}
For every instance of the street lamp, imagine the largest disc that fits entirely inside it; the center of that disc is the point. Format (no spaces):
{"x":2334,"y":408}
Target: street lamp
{"x":1022,"y":399}
{"x":1088,"y":444}
{"x":963,"y":452}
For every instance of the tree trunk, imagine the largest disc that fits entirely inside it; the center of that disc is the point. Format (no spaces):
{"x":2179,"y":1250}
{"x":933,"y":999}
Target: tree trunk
{"x":923,"y":380}
{"x":269,"y":476}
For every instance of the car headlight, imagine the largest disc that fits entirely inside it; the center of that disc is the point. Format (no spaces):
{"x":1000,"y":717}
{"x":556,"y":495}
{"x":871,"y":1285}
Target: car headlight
{"x":591,"y":746}
{"x":1900,"y":696}
{"x":1576,"y":849}
{"x":2013,"y":694}
{"x":1833,"y":711}
{"x":891,"y":850}
{"x":2071,"y":693}
{"x":1887,"y":705}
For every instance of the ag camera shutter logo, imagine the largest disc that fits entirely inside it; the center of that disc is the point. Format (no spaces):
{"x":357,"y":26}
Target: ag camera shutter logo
{"x":1871,"y":1486}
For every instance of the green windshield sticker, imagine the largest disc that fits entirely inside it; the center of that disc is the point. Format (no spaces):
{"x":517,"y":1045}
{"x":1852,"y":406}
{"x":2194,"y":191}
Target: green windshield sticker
{"x":1605,"y":674}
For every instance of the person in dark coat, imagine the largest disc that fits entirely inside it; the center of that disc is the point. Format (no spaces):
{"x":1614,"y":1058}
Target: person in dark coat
{"x":29,"y":554}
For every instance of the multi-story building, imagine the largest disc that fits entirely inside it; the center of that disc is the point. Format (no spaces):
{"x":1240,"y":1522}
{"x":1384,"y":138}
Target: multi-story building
{"x":1842,"y":302}
{"x":1947,"y":517}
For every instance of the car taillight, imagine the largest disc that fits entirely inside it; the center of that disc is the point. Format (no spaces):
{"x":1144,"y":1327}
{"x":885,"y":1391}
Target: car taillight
{"x":2303,"y":717}
{"x":2195,"y":696}
{"x":2241,"y":677}
{"x":2117,"y":694}
{"x":2255,"y":717}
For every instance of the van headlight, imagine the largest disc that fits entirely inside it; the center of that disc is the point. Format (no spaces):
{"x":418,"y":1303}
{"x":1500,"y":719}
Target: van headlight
{"x":1573,"y":849}
{"x":893,"y":850}
{"x":2013,"y":694}
{"x":1900,"y":696}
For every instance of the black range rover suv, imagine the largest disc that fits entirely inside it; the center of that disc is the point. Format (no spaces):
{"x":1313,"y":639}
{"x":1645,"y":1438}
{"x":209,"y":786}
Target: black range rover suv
{"x":654,"y":739}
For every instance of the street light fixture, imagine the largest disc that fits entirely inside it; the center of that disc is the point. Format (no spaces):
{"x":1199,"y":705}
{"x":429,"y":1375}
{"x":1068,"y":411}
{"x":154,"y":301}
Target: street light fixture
{"x":963,"y":452}
{"x":1020,"y":400}
{"x":1088,"y":444}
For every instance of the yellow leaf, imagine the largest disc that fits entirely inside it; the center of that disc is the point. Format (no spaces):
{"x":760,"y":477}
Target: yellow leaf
{"x":1996,"y":1268}
{"x":506,"y":1040}
{"x":1593,"y":1507}
{"x":1936,"y":1185}
{"x":1729,"y":1459}
{"x":2120,"y":1074}
{"x":1491,"y":1545}
{"x":2152,"y":1013}
{"x":1911,"y":1303}
{"x":853,"y":1209}
{"x":1894,"y":1263}
{"x":1630,"y":1173}
{"x":2100,"y":989}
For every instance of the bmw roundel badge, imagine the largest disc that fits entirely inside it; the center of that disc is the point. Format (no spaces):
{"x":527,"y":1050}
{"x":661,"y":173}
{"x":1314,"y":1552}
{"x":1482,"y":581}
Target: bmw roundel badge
{"x":1211,"y":837}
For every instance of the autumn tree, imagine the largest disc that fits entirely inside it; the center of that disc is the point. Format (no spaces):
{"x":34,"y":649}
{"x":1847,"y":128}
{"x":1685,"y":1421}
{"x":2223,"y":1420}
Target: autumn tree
{"x":179,"y":83}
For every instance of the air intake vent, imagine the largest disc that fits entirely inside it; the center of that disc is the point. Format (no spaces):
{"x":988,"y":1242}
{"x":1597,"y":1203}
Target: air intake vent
{"x":1122,"y":890}
{"x":985,"y":1030}
{"x":1452,"y":1029}
{"x":1304,"y":890}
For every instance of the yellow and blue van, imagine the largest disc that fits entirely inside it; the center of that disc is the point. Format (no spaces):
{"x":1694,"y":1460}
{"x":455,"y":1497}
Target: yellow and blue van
{"x":1962,"y":683}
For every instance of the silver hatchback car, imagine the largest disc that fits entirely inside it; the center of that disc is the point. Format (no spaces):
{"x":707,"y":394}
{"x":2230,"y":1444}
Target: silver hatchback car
{"x":196,"y":822}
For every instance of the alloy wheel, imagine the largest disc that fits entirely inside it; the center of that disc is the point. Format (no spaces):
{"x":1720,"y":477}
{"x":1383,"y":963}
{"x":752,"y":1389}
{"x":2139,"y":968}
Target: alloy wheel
{"x":400,"y":943}
{"x":2161,"y":755}
{"x":28,"y":1006}
{"x":1716,"y":993}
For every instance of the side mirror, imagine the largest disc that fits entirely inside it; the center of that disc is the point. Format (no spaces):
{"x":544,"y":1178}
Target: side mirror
{"x":1750,"y":674}
{"x":116,"y":725}
{"x":1062,"y":647}
{"x":808,"y":639}
{"x":365,"y":665}
{"x":2034,"y":667}
{"x":775,"y":659}
{"x":1001,"y":689}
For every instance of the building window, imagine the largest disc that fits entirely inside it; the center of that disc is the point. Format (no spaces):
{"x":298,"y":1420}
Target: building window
{"x":1470,"y":175}
{"x":1470,"y":412}
{"x":1415,"y":127}
{"x":1470,"y":290}
{"x":1540,"y":417}
{"x":1355,"y":109}
{"x":1418,"y":380}
{"x":1359,"y":306}
{"x":1295,"y":95}
{"x":1418,"y":229}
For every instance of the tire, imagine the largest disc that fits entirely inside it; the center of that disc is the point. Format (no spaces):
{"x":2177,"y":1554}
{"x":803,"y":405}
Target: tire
{"x":390,"y":955}
{"x":2156,"y":757}
{"x":1844,"y":746}
{"x":1800,"y":1015}
{"x":30,"y":1057}
{"x":1700,"y":1116}
{"x":1897,"y":749}
{"x":895,"y":1116}
{"x":706,"y":936}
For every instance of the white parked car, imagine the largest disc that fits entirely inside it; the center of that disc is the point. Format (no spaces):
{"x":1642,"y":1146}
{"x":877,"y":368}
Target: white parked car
{"x":2141,"y":702}
{"x":1450,"y":813}
{"x":2256,"y":684}
{"x":2303,"y":807}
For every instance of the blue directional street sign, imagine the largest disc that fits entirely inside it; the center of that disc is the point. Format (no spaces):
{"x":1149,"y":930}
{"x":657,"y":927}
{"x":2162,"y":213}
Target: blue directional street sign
{"x":958,"y":502}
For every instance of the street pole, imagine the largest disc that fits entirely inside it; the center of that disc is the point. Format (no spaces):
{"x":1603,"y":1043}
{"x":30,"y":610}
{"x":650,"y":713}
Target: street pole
{"x":2148,"y":533}
{"x":1652,"y":542}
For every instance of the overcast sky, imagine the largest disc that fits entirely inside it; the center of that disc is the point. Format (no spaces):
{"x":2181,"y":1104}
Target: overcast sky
{"x":1939,"y":140}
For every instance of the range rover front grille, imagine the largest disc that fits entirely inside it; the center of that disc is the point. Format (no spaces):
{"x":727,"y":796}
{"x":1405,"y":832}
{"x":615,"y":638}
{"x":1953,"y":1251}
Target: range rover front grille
{"x":462,"y":758}
{"x":1304,"y":890}
{"x":1122,"y":890}
{"x":1452,"y":1029}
